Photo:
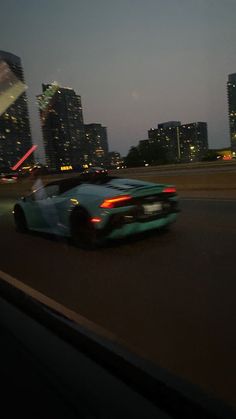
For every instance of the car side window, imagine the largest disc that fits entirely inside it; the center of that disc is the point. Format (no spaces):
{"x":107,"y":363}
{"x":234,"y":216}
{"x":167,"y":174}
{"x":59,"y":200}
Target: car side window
{"x":46,"y":192}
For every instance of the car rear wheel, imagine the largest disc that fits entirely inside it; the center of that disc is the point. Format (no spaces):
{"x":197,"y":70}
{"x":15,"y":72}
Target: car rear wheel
{"x":83,"y":233}
{"x":20,"y":220}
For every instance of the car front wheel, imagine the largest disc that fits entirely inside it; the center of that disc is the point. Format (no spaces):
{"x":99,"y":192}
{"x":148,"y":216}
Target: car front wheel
{"x":20,"y":220}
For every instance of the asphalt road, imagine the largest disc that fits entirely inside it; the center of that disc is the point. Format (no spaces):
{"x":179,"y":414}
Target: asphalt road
{"x":170,"y":296}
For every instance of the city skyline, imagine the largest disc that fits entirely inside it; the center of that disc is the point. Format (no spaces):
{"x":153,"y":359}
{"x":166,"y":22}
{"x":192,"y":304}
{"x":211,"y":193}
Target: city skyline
{"x":137,"y":65}
{"x":97,"y":130}
{"x":68,"y":142}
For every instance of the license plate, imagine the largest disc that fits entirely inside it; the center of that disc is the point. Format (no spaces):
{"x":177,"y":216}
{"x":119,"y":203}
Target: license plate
{"x":152,"y":208}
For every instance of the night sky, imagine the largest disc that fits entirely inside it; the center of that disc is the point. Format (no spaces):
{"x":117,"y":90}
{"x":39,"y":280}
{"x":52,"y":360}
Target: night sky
{"x":134,"y":62}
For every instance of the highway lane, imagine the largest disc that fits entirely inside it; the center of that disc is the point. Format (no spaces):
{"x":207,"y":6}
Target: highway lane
{"x":180,"y":172}
{"x":180,"y":169}
{"x":165,"y":172}
{"x":169,"y":296}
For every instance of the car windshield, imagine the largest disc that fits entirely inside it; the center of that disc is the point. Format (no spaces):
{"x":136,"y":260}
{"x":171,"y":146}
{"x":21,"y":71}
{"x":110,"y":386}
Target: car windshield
{"x":131,"y":105}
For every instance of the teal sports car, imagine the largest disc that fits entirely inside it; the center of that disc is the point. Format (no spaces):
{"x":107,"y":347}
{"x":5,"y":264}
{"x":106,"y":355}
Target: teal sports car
{"x":91,"y":208}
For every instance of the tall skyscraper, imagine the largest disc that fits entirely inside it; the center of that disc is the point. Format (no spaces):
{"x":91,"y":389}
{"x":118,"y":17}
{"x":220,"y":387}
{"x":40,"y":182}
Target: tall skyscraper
{"x":15,"y":135}
{"x":231,"y":87}
{"x":167,"y":137}
{"x":193,"y":140}
{"x":62,"y":126}
{"x":181,"y":143}
{"x":169,"y":124}
{"x":97,"y":143}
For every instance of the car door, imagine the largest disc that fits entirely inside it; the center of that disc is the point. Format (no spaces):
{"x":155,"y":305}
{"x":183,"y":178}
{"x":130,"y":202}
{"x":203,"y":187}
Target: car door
{"x":41,"y":209}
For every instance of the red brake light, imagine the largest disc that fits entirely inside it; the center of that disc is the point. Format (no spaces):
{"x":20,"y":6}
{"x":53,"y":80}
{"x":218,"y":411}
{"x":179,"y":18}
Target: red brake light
{"x":115,"y":202}
{"x":95,"y":220}
{"x":169,"y":189}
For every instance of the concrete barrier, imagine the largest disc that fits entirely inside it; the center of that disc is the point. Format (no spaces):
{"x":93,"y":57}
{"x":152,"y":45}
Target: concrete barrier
{"x":200,"y":179}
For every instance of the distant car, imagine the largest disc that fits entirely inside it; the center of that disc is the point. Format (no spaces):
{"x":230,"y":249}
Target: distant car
{"x":96,"y":170}
{"x":92,"y":209}
{"x":9,"y":177}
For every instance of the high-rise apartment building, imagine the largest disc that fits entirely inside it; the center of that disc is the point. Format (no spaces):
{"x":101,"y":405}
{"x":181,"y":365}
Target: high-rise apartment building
{"x":62,"y":126}
{"x":231,"y":87}
{"x":15,"y":135}
{"x":114,"y":160}
{"x":193,"y":141}
{"x":169,"y":124}
{"x":96,"y":143}
{"x":167,"y":137}
{"x":181,"y":143}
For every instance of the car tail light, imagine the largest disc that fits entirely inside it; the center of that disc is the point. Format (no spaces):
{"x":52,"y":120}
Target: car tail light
{"x":118,"y":201}
{"x":169,"y":189}
{"x":95,"y":220}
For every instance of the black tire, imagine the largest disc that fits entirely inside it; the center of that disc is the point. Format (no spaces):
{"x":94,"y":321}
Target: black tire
{"x":20,"y":220}
{"x":83,"y":233}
